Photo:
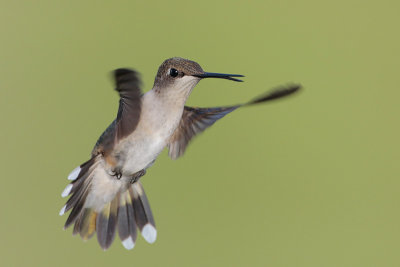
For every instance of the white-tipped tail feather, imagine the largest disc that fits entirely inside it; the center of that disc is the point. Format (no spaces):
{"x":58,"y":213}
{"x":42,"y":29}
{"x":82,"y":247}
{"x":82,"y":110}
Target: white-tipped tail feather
{"x":149,"y":233}
{"x":101,"y":204}
{"x":62,"y":211}
{"x":66,"y":191}
{"x":128,"y":243}
{"x":74,"y":174}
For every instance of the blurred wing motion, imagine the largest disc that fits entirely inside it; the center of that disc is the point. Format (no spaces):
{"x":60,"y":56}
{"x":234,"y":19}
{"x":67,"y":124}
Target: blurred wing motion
{"x":196,"y":120}
{"x":193,"y":122}
{"x":128,"y":87}
{"x":99,"y":203}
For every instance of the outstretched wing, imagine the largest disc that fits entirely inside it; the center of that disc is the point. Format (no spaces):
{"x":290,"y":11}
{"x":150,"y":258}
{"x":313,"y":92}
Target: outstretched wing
{"x":196,"y":120}
{"x":128,"y":86}
{"x":193,"y":122}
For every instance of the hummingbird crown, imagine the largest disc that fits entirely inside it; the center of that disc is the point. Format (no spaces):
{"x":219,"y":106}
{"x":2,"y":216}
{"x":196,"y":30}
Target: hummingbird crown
{"x":175,"y":68}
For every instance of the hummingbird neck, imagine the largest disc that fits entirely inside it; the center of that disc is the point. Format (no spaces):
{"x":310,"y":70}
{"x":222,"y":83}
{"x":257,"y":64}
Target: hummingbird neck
{"x":161,"y":112}
{"x":176,"y":94}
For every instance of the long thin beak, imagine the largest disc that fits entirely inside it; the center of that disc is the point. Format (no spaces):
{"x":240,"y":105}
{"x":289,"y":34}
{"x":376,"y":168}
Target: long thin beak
{"x":219,"y":75}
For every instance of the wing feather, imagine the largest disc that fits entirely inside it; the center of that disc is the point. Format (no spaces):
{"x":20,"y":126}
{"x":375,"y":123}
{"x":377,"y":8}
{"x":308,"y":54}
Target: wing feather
{"x":193,"y":122}
{"x":128,"y":87}
{"x":196,"y":120}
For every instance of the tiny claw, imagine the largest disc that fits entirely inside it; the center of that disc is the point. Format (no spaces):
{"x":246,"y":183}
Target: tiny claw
{"x":135,"y":177}
{"x":117,"y":174}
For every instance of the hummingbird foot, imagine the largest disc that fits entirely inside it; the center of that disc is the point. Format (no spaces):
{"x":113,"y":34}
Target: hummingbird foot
{"x":136,"y":176}
{"x":117,"y":173}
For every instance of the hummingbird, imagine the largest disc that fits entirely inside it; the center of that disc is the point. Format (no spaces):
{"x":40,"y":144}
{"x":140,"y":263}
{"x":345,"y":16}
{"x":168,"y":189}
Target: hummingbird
{"x":106,"y":193}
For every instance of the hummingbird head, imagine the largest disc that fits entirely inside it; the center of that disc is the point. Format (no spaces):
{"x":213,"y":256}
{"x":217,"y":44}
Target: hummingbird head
{"x":181,"y":74}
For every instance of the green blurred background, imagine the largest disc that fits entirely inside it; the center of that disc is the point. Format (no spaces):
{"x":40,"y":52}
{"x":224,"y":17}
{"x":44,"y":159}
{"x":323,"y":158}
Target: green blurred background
{"x":312,"y":180}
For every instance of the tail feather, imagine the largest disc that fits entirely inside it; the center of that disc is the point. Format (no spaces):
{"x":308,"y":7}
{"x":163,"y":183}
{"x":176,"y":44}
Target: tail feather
{"x":126,"y":221}
{"x":79,"y":175}
{"x":143,"y":215}
{"x":77,"y":208}
{"x":106,"y":224}
{"x":77,"y":196}
{"x":77,"y":226}
{"x":87,"y":224}
{"x":80,"y":170}
{"x":80,"y":190}
{"x":80,"y":186}
{"x":128,"y":210}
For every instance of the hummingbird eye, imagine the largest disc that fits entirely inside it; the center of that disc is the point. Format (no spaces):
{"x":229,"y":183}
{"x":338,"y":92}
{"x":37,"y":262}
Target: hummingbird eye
{"x":173,"y":72}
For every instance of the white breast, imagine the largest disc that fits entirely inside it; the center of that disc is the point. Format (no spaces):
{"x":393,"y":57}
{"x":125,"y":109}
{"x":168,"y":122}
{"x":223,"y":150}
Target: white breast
{"x":158,"y":121}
